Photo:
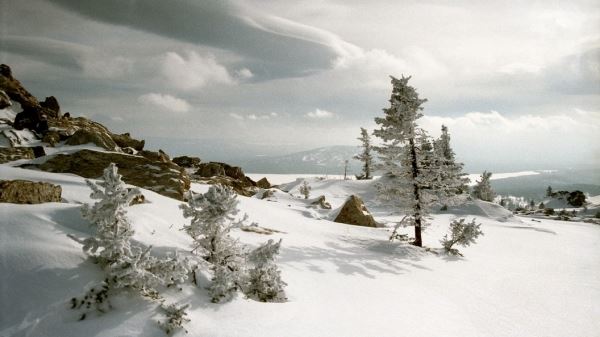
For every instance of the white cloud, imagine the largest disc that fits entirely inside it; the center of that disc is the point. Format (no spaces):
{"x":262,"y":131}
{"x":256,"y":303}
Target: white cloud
{"x":194,"y":72}
{"x":320,"y":114}
{"x":254,"y":117}
{"x":534,"y":140}
{"x":244,"y":74}
{"x":236,"y":116}
{"x":165,"y":101}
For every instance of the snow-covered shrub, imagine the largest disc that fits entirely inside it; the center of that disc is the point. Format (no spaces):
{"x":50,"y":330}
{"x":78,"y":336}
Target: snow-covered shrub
{"x":108,"y":217}
{"x":212,"y":217}
{"x":462,"y":234}
{"x":305,"y":189}
{"x":128,"y":265}
{"x":175,"y":317}
{"x":264,"y":279}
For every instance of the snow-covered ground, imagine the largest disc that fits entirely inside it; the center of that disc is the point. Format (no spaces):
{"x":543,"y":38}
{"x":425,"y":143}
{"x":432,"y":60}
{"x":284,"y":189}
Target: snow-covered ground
{"x":523,"y":278}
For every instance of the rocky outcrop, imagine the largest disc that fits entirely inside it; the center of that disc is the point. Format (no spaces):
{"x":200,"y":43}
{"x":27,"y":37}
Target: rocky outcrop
{"x":354,"y":212}
{"x":86,"y":136}
{"x":13,"y":88}
{"x":28,"y":192}
{"x":187,"y":162}
{"x":8,"y":154}
{"x":212,"y":169}
{"x":51,"y":104}
{"x":4,"y":100}
{"x":51,"y":138}
{"x":124,"y":140}
{"x":165,"y":178}
{"x":263,"y":183}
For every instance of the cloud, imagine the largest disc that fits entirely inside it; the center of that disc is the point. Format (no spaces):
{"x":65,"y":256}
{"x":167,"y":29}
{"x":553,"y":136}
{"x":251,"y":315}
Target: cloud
{"x":274,"y":46}
{"x":536,"y":141}
{"x":254,"y":117}
{"x":91,"y":62}
{"x":194,"y":71}
{"x":165,"y":101}
{"x":244,"y":74}
{"x":320,"y":114}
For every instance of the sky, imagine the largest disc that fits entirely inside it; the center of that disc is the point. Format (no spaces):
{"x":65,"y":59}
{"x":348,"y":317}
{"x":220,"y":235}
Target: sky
{"x":516,"y":82}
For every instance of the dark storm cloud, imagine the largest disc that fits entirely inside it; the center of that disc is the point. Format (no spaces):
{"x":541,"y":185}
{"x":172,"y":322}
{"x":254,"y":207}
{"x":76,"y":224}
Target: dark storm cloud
{"x":272,"y":46}
{"x":54,"y":52}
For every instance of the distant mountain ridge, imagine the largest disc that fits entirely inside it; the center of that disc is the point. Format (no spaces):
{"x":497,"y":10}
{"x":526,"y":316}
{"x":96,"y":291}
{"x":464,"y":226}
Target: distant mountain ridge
{"x":325,"y":160}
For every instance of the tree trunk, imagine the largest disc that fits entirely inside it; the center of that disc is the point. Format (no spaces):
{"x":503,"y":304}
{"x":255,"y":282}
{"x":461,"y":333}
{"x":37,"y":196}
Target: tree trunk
{"x":416,"y":193}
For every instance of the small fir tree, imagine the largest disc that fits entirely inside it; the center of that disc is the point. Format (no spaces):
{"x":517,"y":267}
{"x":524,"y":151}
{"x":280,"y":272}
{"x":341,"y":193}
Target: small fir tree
{"x":305,"y":189}
{"x":549,"y":192}
{"x":450,"y":176}
{"x":128,"y":266}
{"x":366,"y":155}
{"x":483,"y":189}
{"x":462,"y":234}
{"x":264,"y":280}
{"x":213,"y":215}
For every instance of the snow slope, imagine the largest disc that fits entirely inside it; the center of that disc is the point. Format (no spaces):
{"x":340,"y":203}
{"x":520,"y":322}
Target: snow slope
{"x":523,"y":278}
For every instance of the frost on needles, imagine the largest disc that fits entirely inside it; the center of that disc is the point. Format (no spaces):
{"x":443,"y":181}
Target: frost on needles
{"x":213,"y":215}
{"x":127,"y":264}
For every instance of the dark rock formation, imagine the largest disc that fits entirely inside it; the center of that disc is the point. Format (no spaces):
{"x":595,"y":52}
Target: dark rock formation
{"x":354,"y":212}
{"x":124,"y":140}
{"x":28,"y":192}
{"x":212,"y":169}
{"x":263,"y":183}
{"x":165,"y":178}
{"x":52,"y":106}
{"x":187,"y":162}
{"x":85,"y":136}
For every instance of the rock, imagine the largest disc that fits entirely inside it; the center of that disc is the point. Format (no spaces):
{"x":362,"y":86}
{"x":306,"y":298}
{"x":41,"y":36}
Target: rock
{"x":188,"y":162}
{"x":15,"y":90}
{"x":234,"y":172}
{"x":240,"y":187}
{"x":32,"y":118}
{"x":51,"y":137}
{"x":8,"y":154}
{"x":165,"y":178}
{"x":28,"y":192}
{"x":267,"y":194}
{"x":125,"y":140}
{"x":52,"y":107}
{"x":576,"y":199}
{"x":85,"y":136}
{"x":321,"y":201}
{"x":159,"y":156}
{"x":354,"y":212}
{"x":263,"y":183}
{"x":138,"y":199}
{"x":4,"y":100}
{"x":211,"y":169}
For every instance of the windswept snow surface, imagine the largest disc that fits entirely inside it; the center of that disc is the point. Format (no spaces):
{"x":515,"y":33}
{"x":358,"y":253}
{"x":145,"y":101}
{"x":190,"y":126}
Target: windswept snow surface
{"x":523,"y":278}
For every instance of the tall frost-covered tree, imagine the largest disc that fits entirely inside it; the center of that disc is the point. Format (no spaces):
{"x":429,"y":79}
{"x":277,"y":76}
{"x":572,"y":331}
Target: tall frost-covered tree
{"x":365,"y":156}
{"x":213,"y":215}
{"x":401,"y":154}
{"x":483,"y":189}
{"x":450,"y":176}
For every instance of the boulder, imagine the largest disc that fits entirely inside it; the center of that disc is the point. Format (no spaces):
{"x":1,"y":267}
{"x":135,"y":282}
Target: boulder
{"x":32,"y":118}
{"x":28,"y":192}
{"x":165,"y":178}
{"x":124,"y":140}
{"x":8,"y":154}
{"x":52,"y":107}
{"x":15,"y":90}
{"x":51,"y":137}
{"x":212,"y":169}
{"x":159,"y":156}
{"x":85,"y":136}
{"x":188,"y":162}
{"x":354,"y":212}
{"x":4,"y":100}
{"x":263,"y":183}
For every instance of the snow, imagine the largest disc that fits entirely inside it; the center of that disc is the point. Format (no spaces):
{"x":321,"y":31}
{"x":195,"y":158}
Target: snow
{"x":522,"y":278}
{"x":474,"y":177}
